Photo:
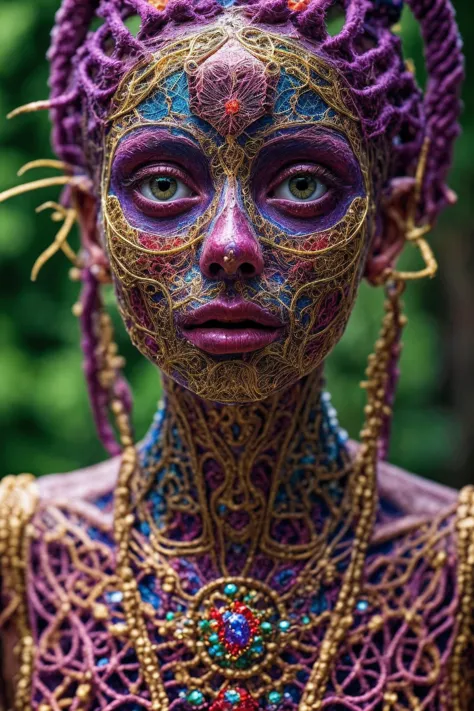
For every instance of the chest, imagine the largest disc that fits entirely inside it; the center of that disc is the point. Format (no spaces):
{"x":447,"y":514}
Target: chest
{"x":237,"y":643}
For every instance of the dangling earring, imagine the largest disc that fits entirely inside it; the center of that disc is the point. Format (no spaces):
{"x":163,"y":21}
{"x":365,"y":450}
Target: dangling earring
{"x":383,"y":365}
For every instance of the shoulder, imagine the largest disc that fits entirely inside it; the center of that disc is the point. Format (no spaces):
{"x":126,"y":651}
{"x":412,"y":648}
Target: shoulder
{"x":407,"y":499}
{"x":89,"y":490}
{"x":83,"y":495}
{"x":413,"y":495}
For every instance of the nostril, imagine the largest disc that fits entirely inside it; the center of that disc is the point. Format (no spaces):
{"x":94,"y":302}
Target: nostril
{"x":214,"y":269}
{"x":247,"y":269}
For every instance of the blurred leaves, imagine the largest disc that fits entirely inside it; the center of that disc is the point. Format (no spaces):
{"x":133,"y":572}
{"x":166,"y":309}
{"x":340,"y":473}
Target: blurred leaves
{"x":44,"y":416}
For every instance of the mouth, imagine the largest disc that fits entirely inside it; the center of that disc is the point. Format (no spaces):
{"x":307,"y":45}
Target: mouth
{"x":230,"y":327}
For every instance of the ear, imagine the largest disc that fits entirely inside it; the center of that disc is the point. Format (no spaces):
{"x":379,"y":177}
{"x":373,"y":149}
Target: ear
{"x":93,"y":251}
{"x":389,"y":237}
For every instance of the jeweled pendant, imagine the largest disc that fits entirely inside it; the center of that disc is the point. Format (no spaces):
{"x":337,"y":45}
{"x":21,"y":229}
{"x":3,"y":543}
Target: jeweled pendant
{"x":234,"y":700}
{"x":237,"y":626}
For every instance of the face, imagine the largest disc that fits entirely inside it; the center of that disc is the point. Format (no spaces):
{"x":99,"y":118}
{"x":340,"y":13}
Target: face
{"x":236,"y":211}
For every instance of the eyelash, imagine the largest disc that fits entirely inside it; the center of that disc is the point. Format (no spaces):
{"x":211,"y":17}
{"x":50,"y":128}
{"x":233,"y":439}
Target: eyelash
{"x":311,"y":208}
{"x":156,"y":208}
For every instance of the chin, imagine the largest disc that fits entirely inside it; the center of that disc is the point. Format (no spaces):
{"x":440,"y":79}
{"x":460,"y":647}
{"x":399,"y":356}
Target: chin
{"x":237,"y":380}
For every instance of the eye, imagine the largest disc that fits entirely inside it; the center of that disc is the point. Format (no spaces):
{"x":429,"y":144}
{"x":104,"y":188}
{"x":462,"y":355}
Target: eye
{"x":300,"y":187}
{"x":164,"y":188}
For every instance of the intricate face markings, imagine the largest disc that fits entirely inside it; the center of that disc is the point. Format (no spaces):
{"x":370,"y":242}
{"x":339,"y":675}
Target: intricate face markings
{"x":235,"y":174}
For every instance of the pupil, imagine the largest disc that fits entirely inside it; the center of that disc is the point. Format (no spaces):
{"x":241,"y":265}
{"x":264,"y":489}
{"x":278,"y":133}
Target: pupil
{"x":302,"y":184}
{"x":163,"y":184}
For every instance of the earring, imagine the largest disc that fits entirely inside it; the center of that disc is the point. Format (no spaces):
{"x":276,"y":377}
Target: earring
{"x":383,"y":371}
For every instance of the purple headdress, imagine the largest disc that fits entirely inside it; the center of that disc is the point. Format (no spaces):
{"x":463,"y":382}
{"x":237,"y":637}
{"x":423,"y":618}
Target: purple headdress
{"x":88,"y":64}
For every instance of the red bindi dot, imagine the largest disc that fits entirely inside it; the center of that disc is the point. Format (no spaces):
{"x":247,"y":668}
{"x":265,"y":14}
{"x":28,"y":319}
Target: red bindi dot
{"x":232,"y":107}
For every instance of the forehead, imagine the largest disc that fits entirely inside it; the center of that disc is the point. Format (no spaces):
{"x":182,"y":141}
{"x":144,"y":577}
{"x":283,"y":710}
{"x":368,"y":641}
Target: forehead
{"x":234,"y":84}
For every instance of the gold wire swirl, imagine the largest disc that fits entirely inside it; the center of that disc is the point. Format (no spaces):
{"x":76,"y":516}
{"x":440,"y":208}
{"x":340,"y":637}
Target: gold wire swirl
{"x":415,"y":234}
{"x":68,"y":215}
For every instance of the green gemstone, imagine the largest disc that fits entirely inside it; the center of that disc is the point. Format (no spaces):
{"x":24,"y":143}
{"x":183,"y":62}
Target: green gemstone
{"x":274,"y":697}
{"x":243,"y":662}
{"x":257,"y":639}
{"x":195,"y":697}
{"x":170,"y":616}
{"x":231,"y":589}
{"x":284,"y":625}
{"x":213,"y":638}
{"x":266,"y":627}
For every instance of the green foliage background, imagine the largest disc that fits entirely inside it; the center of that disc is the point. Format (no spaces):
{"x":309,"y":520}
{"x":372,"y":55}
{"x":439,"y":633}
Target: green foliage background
{"x":44,"y":418}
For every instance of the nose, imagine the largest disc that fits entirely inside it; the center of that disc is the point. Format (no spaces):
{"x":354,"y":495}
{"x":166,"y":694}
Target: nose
{"x":231,"y":250}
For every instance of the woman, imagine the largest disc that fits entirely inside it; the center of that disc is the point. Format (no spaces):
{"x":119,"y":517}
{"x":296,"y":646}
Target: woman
{"x":236,"y":170}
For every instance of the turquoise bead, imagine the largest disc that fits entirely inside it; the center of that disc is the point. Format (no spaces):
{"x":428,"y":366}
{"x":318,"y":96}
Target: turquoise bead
{"x":274,"y":697}
{"x":266,"y":627}
{"x":232,"y":696}
{"x":170,"y":616}
{"x":216,"y":651}
{"x":284,"y":625}
{"x":231,"y":589}
{"x":214,"y":638}
{"x":195,"y":697}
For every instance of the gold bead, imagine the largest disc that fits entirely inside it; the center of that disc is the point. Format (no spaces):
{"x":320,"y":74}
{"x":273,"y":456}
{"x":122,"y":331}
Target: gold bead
{"x":83,"y":691}
{"x":100,"y":612}
{"x":77,"y":309}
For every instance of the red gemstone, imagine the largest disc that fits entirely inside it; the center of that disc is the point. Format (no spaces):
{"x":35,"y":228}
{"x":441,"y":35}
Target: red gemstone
{"x":226,"y":702}
{"x":232,"y":107}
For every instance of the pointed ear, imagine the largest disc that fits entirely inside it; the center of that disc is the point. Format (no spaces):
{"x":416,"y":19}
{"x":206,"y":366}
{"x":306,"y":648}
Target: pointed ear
{"x":93,"y":250}
{"x":389,"y":238}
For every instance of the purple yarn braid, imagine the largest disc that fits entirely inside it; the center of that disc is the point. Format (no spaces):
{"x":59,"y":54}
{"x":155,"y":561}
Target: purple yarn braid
{"x":99,"y":397}
{"x":86,"y":68}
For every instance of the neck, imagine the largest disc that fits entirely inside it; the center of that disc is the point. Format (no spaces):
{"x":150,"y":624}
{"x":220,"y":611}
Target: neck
{"x":236,"y":480}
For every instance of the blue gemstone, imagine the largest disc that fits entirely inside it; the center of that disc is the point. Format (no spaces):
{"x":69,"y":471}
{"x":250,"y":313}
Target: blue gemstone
{"x":114,"y":597}
{"x":232,"y":696}
{"x":231,"y":589}
{"x":237,"y":630}
{"x":362,"y":605}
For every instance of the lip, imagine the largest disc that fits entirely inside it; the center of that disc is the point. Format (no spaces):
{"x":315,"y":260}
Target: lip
{"x":230,"y":327}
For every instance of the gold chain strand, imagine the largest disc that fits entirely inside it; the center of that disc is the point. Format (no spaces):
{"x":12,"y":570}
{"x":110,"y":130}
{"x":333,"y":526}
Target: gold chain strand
{"x":365,"y":503}
{"x":465,"y":616}
{"x":123,"y":522}
{"x":18,"y":499}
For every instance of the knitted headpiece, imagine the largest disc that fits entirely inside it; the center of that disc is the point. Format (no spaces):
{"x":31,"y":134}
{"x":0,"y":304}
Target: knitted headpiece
{"x":88,"y":64}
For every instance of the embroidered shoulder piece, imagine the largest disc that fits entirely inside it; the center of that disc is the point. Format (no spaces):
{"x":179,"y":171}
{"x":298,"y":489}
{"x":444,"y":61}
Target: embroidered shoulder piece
{"x":462,"y":678}
{"x":18,"y":500}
